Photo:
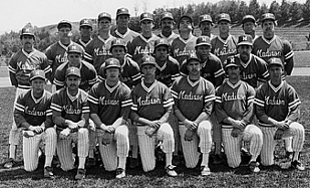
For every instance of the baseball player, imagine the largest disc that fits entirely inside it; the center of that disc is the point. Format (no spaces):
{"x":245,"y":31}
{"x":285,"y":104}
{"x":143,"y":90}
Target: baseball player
{"x":234,"y":110}
{"x":122,"y":30}
{"x":110,"y":103}
{"x":167,"y":25}
{"x":249,"y":25}
{"x":225,"y":44}
{"x":184,"y":45}
{"x":277,"y":108}
{"x":33,"y":114}
{"x":152,"y":105}
{"x":71,"y":114}
{"x":86,"y":28}
{"x":206,"y":25}
{"x":143,"y":44}
{"x":99,"y":47}
{"x":20,"y":66}
{"x":194,"y":97}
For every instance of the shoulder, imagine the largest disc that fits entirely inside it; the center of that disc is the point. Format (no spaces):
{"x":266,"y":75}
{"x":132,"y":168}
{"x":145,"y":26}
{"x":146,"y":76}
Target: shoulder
{"x":173,"y":61}
{"x":88,"y":65}
{"x":214,"y":58}
{"x":52,"y":46}
{"x":62,"y":67}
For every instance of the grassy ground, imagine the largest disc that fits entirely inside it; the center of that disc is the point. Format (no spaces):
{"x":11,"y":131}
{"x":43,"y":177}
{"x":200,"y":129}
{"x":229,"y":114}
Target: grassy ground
{"x":222,"y":176}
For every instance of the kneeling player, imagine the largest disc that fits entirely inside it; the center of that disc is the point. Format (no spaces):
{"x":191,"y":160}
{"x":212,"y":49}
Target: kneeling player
{"x":33,"y":114}
{"x":234,"y":110}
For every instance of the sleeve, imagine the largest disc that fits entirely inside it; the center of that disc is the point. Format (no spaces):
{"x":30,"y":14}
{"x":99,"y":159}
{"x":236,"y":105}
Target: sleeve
{"x":175,"y":94}
{"x":49,"y":114}
{"x":259,"y":103}
{"x":59,"y":77}
{"x":249,"y":113}
{"x":293,"y":105}
{"x":130,"y":47}
{"x":219,"y":110}
{"x":89,"y":52}
{"x":134,"y":99}
{"x":101,"y":74}
{"x":213,"y":44}
{"x":49,"y":54}
{"x":219,"y":73}
{"x":167,"y":98}
{"x":209,"y":99}
{"x":19,"y":109}
{"x":85,"y":105}
{"x":93,"y":100}
{"x":92,"y":76}
{"x":12,"y":70}
{"x":126,"y":103}
{"x":263,"y":74}
{"x":288,"y":57}
{"x":46,"y":67}
{"x":183,"y":69}
{"x":56,"y":104}
{"x":175,"y":73}
{"x":136,"y":74}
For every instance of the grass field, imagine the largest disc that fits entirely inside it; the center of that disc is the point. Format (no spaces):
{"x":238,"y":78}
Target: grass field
{"x":221,"y":176}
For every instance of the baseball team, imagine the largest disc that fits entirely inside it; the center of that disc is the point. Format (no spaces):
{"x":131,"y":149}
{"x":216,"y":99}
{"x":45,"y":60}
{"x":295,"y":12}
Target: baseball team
{"x":132,"y":94}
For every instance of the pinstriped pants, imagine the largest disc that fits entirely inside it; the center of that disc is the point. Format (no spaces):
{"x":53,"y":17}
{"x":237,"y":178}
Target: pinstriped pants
{"x":147,"y":144}
{"x":202,"y":139}
{"x":232,"y":145}
{"x":296,"y":130}
{"x":31,"y":148}
{"x":64,"y":148}
{"x":118,"y":148}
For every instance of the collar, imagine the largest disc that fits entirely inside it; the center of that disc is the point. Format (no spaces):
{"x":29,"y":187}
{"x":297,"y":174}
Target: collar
{"x":148,"y":89}
{"x":111,"y":89}
{"x":39,"y":99}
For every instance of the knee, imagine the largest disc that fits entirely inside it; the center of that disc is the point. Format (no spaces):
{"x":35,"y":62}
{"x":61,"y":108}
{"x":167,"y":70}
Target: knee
{"x":122,"y":131}
{"x":83,"y":131}
{"x":167,"y":130}
{"x":50,"y":132}
{"x":297,"y":126}
{"x":204,"y":127}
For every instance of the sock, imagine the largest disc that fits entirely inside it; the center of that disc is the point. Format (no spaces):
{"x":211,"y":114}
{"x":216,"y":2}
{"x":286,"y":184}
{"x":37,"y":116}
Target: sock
{"x":82,"y":162}
{"x":168,"y":159}
{"x":134,"y":152}
{"x":122,"y":162}
{"x":91,"y":153}
{"x":217,"y":149}
{"x":296,"y":156}
{"x":205,"y":159}
{"x":48,"y":161}
{"x":12,"y":151}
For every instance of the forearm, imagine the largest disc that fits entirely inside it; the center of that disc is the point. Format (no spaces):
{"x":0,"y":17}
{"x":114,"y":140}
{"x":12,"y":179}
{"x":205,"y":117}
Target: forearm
{"x":136,"y":118}
{"x":166,"y":116}
{"x":203,"y":116}
{"x":97,"y":121}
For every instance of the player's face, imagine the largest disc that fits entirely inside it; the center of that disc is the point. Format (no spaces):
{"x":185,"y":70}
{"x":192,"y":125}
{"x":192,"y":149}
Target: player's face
{"x":185,"y":24}
{"x":73,"y":82}
{"x":205,"y":28}
{"x":161,"y":53}
{"x":194,"y":67}
{"x":224,"y":26}
{"x":275,"y":73}
{"x":203,"y":52}
{"x":118,"y":52}
{"x":244,"y":51}
{"x":74,"y":59}
{"x":233,"y":73}
{"x":85,"y":31}
{"x":248,"y":27}
{"x":104,"y":24}
{"x":38,"y":85}
{"x":148,"y":71}
{"x":146,"y":25}
{"x":122,"y":21}
{"x":268,"y":29}
{"x":167,"y":25}
{"x":112,"y":74}
{"x":27,"y":41}
{"x":64,"y":33}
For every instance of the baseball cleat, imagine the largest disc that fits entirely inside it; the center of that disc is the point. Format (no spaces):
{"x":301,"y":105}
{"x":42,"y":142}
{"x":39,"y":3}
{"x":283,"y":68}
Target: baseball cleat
{"x":48,"y":172}
{"x":298,"y":165}
{"x":205,"y":171}
{"x":9,"y":164}
{"x":80,"y":174}
{"x":254,"y":166}
{"x":120,"y":173}
{"x":91,"y":162}
{"x":170,"y":171}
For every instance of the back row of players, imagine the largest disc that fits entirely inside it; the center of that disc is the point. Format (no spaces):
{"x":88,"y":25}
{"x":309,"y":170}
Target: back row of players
{"x":130,"y":52}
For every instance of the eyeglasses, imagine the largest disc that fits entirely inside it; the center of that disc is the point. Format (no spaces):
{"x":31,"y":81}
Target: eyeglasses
{"x":74,"y":56}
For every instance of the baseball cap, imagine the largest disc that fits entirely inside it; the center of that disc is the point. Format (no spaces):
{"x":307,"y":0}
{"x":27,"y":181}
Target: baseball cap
{"x":248,"y":18}
{"x":37,"y":73}
{"x":64,"y":23}
{"x":148,"y":60}
{"x":231,"y":62}
{"x":205,"y":18}
{"x":224,"y":17}
{"x":27,"y":31}
{"x":118,"y":42}
{"x":146,"y":16}
{"x":86,"y":22}
{"x":161,"y":42}
{"x":268,"y":16}
{"x":167,"y":15}
{"x":203,"y":40}
{"x":245,"y":40}
{"x":186,"y":16}
{"x":73,"y":71}
{"x":275,"y":61}
{"x":192,"y":57}
{"x":122,"y":11}
{"x":104,"y":15}
{"x":75,"y":49}
{"x":112,"y":63}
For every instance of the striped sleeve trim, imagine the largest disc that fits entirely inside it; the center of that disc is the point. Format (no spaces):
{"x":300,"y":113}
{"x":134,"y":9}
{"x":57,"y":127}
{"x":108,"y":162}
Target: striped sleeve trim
{"x":47,"y":69}
{"x":266,"y":74}
{"x":85,"y":109}
{"x":49,"y":112}
{"x":58,"y":83}
{"x":11,"y":69}
{"x":259,"y":102}
{"x":92,"y":99}
{"x":93,"y":81}
{"x":289,"y":55}
{"x":174,"y":94}
{"x":218,"y":99}
{"x":134,"y":107}
{"x":136,"y":77}
{"x":56,"y":107}
{"x":126,"y":103}
{"x":100,"y":78}
{"x":23,"y":86}
{"x":209,"y":98}
{"x":174,"y":76}
{"x":19,"y":107}
{"x":293,"y":104}
{"x":168,"y":103}
{"x":87,"y":57}
{"x":218,"y":73}
{"x":183,"y":74}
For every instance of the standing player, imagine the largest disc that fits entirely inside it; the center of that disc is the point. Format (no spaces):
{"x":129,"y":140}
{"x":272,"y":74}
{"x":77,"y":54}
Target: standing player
{"x":143,"y":44}
{"x":110,"y":103}
{"x":184,"y":45}
{"x":194,"y":97}
{"x":152,"y":105}
{"x":86,"y":28}
{"x":234,"y":110}
{"x":99,"y":47}
{"x":167,"y":25}
{"x":206,"y":25}
{"x":277,"y":109}
{"x":225,"y":44}
{"x":33,"y":114}
{"x":71,"y":115}
{"x":249,"y":25}
{"x":123,"y":31}
{"x":20,"y":66}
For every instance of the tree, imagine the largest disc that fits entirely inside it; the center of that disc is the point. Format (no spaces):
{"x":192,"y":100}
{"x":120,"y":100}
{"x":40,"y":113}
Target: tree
{"x":243,"y":9}
{"x":275,"y":9}
{"x":295,"y":11}
{"x":263,"y":9}
{"x":306,"y":10}
{"x":254,"y":8}
{"x":285,"y":11}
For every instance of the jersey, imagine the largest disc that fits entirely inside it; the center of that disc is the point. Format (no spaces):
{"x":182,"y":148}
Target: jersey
{"x":254,"y":70}
{"x":224,"y":48}
{"x":82,"y":43}
{"x":33,"y":111}
{"x":168,"y":72}
{"x":88,"y":75}
{"x":193,"y":98}
{"x":151,"y":102}
{"x":212,"y":70}
{"x":70,"y":107}
{"x":141,"y":46}
{"x":22,"y":64}
{"x":127,"y":37}
{"x":280,"y":103}
{"x":110,"y":103}
{"x":99,"y":50}
{"x":235,"y":101}
{"x":276,"y":47}
{"x":170,"y":38}
{"x":181,"y":49}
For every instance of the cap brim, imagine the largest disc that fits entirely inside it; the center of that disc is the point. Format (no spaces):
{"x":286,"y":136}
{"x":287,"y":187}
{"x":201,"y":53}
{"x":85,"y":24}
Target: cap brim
{"x":37,"y":77}
{"x":144,"y":19}
{"x":203,"y":44}
{"x":73,"y":74}
{"x":245,"y":43}
{"x":206,"y":21}
{"x":148,"y":63}
{"x":87,"y":25}
{"x":227,"y":20}
{"x":231,"y":65}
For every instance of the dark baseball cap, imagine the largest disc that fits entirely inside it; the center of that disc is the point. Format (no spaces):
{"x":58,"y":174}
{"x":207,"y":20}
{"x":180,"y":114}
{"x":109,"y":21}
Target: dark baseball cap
{"x":275,"y":61}
{"x":161,"y":42}
{"x":186,"y":16}
{"x":122,"y":11}
{"x":146,"y":16}
{"x":86,"y":22}
{"x":248,"y":18}
{"x":73,"y":71}
{"x":167,"y":15}
{"x":223,"y":17}
{"x":112,"y":63}
{"x":205,"y":18}
{"x":75,"y":49}
{"x":64,"y":23}
{"x":37,"y":73}
{"x":231,"y":62}
{"x":245,"y":40}
{"x":27,"y":31}
{"x":192,"y":57}
{"x":148,"y":60}
{"x":268,"y":16}
{"x":104,"y":15}
{"x":118,"y":42}
{"x":203,"y":40}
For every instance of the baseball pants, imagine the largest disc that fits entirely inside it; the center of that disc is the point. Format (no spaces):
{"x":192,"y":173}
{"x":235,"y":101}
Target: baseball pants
{"x":173,"y":121}
{"x":64,"y":148}
{"x":216,"y":133}
{"x":114,"y":155}
{"x":164,"y":136}
{"x":295,"y":130}
{"x":31,"y":148}
{"x":133,"y":139}
{"x":202,"y":139}
{"x":92,"y":138}
{"x":232,"y":145}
